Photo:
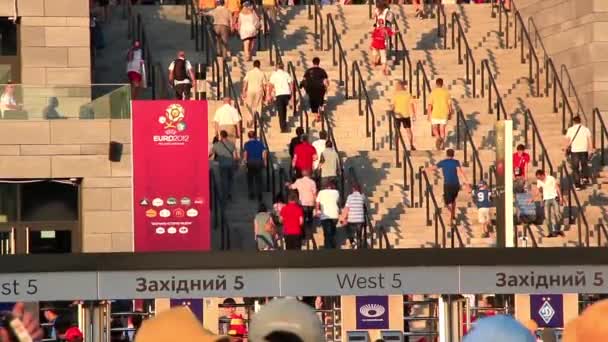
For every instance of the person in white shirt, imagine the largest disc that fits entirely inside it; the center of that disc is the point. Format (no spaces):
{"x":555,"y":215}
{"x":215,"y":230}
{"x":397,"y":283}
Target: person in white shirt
{"x":253,"y":91}
{"x":328,"y":211}
{"x":319,"y":146}
{"x":135,"y":65}
{"x":7,"y":100}
{"x":552,"y":197}
{"x":280,"y":87}
{"x":578,"y":139}
{"x":227,"y":119}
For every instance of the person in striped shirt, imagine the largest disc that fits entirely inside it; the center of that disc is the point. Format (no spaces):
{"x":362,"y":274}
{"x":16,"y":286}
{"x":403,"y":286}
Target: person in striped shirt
{"x":353,"y":216}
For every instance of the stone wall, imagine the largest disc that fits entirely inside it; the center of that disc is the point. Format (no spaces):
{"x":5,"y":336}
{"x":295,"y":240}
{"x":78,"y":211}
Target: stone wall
{"x":78,"y":148}
{"x":575,"y":33}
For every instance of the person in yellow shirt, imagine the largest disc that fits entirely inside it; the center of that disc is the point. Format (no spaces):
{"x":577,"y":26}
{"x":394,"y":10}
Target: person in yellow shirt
{"x":404,"y":109}
{"x":439,"y":112}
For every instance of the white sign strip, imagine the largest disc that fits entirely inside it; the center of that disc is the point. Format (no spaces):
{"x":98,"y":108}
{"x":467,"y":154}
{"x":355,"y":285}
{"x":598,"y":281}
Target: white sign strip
{"x":48,"y":286}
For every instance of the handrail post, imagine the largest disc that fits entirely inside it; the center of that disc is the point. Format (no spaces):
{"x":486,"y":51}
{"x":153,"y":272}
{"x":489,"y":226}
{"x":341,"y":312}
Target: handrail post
{"x":390,"y":131}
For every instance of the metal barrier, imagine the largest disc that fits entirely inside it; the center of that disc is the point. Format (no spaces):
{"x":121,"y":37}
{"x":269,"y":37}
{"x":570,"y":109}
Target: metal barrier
{"x":218,"y":211}
{"x":557,"y":83}
{"x":426,"y":85}
{"x":209,"y":43}
{"x":333,"y":40}
{"x":258,"y":127}
{"x":274,"y":51}
{"x":537,"y":154}
{"x":362,"y":95}
{"x":535,"y":81}
{"x":403,"y":57}
{"x":461,"y":126}
{"x":407,"y":165}
{"x":318,"y":18}
{"x":471,"y":70}
{"x":567,"y":184}
{"x":229,"y":90}
{"x":598,"y":123}
{"x":437,"y":219}
{"x":442,"y":29}
{"x":332,"y":138}
{"x":299,"y":108}
{"x":492,"y":88}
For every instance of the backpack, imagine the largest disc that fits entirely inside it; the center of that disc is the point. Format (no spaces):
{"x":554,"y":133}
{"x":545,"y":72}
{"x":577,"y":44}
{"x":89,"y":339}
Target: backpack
{"x":179,"y":70}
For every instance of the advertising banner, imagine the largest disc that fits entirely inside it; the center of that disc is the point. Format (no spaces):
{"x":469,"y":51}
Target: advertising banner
{"x":372,"y":312}
{"x":547,"y":310}
{"x":170,"y":176}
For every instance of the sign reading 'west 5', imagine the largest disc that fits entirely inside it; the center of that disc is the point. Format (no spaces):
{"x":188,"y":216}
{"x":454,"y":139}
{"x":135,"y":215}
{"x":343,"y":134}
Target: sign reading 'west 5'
{"x":170,"y":176}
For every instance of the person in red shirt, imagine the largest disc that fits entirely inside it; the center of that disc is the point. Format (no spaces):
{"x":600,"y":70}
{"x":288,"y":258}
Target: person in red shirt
{"x":292,"y":217}
{"x":521,"y":163}
{"x":237,"y":329}
{"x":303,"y":156}
{"x":379,"y":36}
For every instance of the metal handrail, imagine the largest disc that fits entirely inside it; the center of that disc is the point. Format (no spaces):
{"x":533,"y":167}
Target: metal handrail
{"x":361,"y":94}
{"x":471,"y":70}
{"x":492,"y":87}
{"x":461,"y":125}
{"x":342,"y":62}
{"x":580,"y":214}
{"x":209,"y":46}
{"x":407,"y":165}
{"x":298,"y":101}
{"x":601,"y":232}
{"x":442,"y":29}
{"x":404,"y":57}
{"x":550,"y":68}
{"x":219,"y":212}
{"x":258,"y":127}
{"x":531,"y":51}
{"x":330,"y":135}
{"x":536,"y":136}
{"x":501,"y":12}
{"x":195,"y":27}
{"x":527,"y":231}
{"x":230,"y":90}
{"x":426,"y":85}
{"x":319,"y":28}
{"x":571,"y":88}
{"x":597,"y":118}
{"x":437,"y":219}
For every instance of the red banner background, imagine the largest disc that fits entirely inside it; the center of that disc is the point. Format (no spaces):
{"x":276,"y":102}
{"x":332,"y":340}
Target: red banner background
{"x":170,"y":176}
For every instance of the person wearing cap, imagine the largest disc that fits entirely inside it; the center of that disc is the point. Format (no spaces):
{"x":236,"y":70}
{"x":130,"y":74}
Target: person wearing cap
{"x":248,"y":25}
{"x":222,"y":25}
{"x":280,"y":88}
{"x":482,"y":198}
{"x":286,"y":319}
{"x":181,"y":76}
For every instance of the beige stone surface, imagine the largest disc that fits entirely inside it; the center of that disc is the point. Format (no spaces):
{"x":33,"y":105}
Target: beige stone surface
{"x":9,"y":150}
{"x":98,"y":149}
{"x":25,"y":167}
{"x":32,"y":36}
{"x":106,"y":182}
{"x":121,"y":199}
{"x":80,"y":166}
{"x":78,"y":21}
{"x":68,"y":8}
{"x":103,"y":222}
{"x":68,"y":76}
{"x":31,"y":7}
{"x":67,"y":36}
{"x":97,"y":243}
{"x":123,"y":167}
{"x":33,"y":76}
{"x":44,"y":57}
{"x":49,"y":150}
{"x":80,"y":131}
{"x":96,"y":199}
{"x":79,"y":57}
{"x":44,"y":21}
{"x":120,"y":130}
{"x":122,"y":242}
{"x":24,"y":132}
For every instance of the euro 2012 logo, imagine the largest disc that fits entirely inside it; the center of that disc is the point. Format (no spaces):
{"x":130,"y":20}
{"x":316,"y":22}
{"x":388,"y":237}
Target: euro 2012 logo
{"x":173,"y":118}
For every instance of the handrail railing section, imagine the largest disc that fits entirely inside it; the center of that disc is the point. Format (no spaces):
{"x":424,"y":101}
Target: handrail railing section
{"x":426,"y":85}
{"x":442,"y":28}
{"x":402,"y":57}
{"x":492,"y":89}
{"x":471,"y":69}
{"x":598,"y":124}
{"x":319,"y":28}
{"x":407,"y":165}
{"x":569,"y":191}
{"x":601,"y":232}
{"x":333,"y":40}
{"x":218,"y":210}
{"x":299,"y":108}
{"x":462,"y":126}
{"x":538,"y":153}
{"x":209,"y":46}
{"x":532,"y":57}
{"x":365,"y":103}
{"x":230,"y":90}
{"x":330,"y":135}
{"x":258,"y":127}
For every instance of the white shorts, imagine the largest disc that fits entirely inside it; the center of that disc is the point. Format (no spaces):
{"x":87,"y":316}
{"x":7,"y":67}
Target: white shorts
{"x":439,"y":121}
{"x":483,"y":215}
{"x":382,"y":55}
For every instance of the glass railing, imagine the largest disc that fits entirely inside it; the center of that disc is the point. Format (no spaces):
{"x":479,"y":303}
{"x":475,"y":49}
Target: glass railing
{"x":94,"y":101}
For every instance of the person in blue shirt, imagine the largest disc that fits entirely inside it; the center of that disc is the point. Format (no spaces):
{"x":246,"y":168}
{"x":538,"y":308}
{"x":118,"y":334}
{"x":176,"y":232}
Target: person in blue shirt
{"x":256,"y":159}
{"x":483,"y":199}
{"x":452,"y":172}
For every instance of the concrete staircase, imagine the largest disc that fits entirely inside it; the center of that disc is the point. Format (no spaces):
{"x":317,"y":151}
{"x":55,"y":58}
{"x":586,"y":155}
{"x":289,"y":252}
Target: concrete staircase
{"x":390,"y":200}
